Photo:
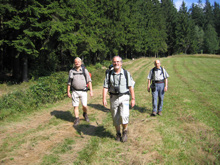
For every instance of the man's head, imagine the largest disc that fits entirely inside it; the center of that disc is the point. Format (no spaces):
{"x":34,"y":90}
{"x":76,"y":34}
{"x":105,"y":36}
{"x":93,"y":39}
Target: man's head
{"x":157,"y":64}
{"x":77,"y":62}
{"x":117,"y":62}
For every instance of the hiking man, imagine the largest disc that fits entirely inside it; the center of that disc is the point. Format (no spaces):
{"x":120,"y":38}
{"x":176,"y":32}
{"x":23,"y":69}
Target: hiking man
{"x":78,"y":79}
{"x":119,"y":86}
{"x":158,"y":76}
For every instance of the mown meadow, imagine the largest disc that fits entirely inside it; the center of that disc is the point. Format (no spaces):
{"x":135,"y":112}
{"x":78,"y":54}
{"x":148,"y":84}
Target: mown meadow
{"x":187,"y":133}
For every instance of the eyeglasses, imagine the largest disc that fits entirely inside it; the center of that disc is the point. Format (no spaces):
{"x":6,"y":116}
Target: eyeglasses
{"x":116,"y":62}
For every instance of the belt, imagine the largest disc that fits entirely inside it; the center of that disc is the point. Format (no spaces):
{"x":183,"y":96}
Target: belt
{"x":120,"y":94}
{"x":159,"y":81}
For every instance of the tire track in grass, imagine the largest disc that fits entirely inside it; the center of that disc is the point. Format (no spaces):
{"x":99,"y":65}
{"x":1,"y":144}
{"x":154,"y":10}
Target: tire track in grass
{"x":126,"y":153}
{"x":200,"y":97}
{"x":199,"y":77}
{"x":141,"y":137}
{"x":93,"y":109}
{"x":184,"y":136}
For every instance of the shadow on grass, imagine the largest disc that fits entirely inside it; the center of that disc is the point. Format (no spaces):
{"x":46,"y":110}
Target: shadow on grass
{"x":104,"y":109}
{"x":91,"y":130}
{"x":84,"y":129}
{"x":64,"y":115}
{"x":142,"y":109}
{"x":99,"y":107}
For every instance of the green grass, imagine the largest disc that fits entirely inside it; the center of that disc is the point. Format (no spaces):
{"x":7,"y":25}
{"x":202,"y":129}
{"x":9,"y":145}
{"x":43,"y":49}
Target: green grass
{"x":187,"y":133}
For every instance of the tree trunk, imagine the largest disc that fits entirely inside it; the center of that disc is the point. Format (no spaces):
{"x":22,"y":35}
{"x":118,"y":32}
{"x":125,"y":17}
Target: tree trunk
{"x":25,"y":69}
{"x":16,"y":67}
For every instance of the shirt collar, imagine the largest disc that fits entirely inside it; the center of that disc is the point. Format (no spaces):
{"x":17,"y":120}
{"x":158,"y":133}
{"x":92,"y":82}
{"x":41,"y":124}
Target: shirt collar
{"x":157,"y":68}
{"x":79,"y":69}
{"x":119,"y":73}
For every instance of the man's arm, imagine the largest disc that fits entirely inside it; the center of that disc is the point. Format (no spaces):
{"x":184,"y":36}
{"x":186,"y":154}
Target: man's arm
{"x":131,"y":89}
{"x":90,"y":88}
{"x":68,"y":91}
{"x":166,"y":85}
{"x":104,"y":93}
{"x":148,"y":85}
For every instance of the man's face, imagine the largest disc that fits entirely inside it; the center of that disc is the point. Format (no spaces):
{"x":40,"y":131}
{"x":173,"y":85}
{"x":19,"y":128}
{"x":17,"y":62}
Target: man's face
{"x":117,"y":63}
{"x":77,"y":63}
{"x":157,"y":64}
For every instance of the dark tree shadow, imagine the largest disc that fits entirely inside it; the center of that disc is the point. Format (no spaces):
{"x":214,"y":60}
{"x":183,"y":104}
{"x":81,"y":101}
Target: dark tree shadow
{"x":91,"y":130}
{"x":64,"y":115}
{"x":99,"y":107}
{"x":142,"y":109}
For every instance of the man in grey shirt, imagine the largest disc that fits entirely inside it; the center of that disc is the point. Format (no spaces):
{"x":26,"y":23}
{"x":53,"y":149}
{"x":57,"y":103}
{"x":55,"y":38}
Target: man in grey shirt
{"x":119,"y":88}
{"x":158,"y":76}
{"x":78,"y":79}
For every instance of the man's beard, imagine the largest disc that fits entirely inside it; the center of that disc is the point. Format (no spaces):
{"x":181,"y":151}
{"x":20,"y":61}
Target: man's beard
{"x":116,"y":67}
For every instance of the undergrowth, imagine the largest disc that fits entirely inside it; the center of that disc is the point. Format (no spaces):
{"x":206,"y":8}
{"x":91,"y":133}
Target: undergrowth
{"x":45,"y":90}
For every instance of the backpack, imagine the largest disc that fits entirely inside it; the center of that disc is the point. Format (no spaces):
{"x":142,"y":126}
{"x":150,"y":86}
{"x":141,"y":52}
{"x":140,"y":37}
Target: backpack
{"x":83,"y":70}
{"x":110,"y":71}
{"x":153,"y":73}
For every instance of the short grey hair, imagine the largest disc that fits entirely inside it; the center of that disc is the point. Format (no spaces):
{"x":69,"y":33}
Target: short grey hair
{"x":77,"y":58}
{"x":118,"y":57}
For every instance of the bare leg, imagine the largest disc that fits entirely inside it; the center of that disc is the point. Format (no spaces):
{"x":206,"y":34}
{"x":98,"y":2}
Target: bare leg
{"x":125,"y":126}
{"x":84,"y":109}
{"x":76,"y":112}
{"x":117,"y":128}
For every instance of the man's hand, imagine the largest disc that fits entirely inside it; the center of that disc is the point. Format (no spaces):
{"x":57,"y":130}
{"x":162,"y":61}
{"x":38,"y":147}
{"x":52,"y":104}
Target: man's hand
{"x":165,"y":89}
{"x":148,"y":89}
{"x":104,"y":102}
{"x":91,"y":93}
{"x":132,"y":103}
{"x":69,"y":95}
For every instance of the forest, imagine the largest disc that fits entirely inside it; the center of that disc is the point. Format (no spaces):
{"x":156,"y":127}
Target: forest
{"x":39,"y":37}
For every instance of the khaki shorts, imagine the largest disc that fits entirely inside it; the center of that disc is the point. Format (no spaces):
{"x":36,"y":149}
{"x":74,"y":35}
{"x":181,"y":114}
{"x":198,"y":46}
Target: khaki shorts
{"x":120,"y":109}
{"x":79,"y":95}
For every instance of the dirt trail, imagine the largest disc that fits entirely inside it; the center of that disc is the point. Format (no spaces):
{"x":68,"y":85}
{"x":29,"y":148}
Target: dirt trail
{"x":38,"y":127}
{"x":29,"y":140}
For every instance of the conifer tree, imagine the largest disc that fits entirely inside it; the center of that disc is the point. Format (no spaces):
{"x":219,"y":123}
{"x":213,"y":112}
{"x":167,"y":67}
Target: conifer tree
{"x":211,"y":42}
{"x":184,"y":30}
{"x":170,"y":15}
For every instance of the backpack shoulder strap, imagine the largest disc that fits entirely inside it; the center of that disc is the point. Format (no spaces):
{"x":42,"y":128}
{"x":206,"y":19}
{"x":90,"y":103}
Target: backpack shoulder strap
{"x":109,"y":74}
{"x":163,"y":72}
{"x":126,"y":77}
{"x":84,"y":73}
{"x":153,"y":74}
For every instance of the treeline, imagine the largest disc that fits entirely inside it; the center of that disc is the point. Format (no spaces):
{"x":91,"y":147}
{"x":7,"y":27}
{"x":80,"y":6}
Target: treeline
{"x":42,"y":36}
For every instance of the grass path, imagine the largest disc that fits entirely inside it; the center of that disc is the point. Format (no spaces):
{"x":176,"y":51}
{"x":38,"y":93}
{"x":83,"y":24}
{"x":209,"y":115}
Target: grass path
{"x":187,"y":133}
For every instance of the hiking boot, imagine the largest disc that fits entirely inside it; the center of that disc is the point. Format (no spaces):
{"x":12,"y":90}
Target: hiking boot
{"x":124,"y":137}
{"x":118,"y":137}
{"x":76,"y":122}
{"x":85,"y":116}
{"x":159,"y":113}
{"x":153,"y":113}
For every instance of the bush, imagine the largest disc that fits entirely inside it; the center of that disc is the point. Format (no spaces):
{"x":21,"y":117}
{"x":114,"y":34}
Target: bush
{"x":98,"y":66}
{"x":106,"y":63}
{"x":47,"y":90}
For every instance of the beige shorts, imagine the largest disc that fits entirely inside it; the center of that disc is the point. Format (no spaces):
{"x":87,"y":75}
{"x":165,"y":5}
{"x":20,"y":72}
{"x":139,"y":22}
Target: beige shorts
{"x":79,"y":95}
{"x":120,"y":109}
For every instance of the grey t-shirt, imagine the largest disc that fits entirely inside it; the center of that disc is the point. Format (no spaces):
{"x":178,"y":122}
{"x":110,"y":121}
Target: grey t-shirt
{"x":159,"y":75}
{"x":78,"y":79}
{"x":114,"y":81}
